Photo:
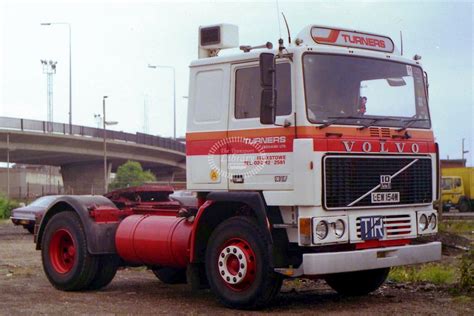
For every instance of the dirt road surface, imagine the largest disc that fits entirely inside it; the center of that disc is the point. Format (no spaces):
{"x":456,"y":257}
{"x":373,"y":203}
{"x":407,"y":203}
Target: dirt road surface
{"x":24,"y":289}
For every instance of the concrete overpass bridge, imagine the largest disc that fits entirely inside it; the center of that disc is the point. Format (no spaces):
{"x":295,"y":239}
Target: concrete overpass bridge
{"x":80,"y":153}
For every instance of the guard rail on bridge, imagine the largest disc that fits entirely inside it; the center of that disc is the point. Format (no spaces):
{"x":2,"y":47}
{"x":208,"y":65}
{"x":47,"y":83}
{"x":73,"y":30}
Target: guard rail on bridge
{"x":76,"y":130}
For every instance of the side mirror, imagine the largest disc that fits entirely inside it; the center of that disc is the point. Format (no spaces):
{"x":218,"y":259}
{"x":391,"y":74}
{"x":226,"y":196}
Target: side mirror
{"x":267,"y":69}
{"x":267,"y":83}
{"x":267,"y":106}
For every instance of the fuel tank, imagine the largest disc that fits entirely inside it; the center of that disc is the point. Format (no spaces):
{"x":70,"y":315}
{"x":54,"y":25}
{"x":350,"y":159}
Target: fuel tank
{"x":154,"y":240}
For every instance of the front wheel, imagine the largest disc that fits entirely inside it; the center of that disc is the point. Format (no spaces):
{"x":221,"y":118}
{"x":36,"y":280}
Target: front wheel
{"x":357,"y":283}
{"x":66,"y":262}
{"x":238,"y":265}
{"x":464,"y":206}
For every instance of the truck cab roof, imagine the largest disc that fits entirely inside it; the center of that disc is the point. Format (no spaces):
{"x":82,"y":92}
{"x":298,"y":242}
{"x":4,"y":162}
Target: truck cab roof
{"x":324,"y":39}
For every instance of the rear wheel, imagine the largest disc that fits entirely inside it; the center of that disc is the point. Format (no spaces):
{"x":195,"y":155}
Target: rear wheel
{"x":30,"y":229}
{"x":106,"y":270}
{"x":238,"y":265}
{"x":357,"y":283}
{"x":170,"y":275}
{"x":66,"y":262}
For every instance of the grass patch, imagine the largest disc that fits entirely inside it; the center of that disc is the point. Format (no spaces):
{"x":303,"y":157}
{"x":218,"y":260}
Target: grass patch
{"x":6,"y":206}
{"x":433,"y":273}
{"x":465,"y":227}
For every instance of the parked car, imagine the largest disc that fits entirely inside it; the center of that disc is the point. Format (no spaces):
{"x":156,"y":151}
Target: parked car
{"x":186,"y":198}
{"x":26,"y":215}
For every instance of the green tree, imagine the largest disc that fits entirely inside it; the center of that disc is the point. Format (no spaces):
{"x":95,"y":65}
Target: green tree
{"x":131,"y":174}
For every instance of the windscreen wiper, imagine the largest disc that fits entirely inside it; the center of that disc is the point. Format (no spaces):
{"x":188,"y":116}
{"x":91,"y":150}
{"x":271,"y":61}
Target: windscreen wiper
{"x":335,"y":119}
{"x":375,"y":120}
{"x":409,"y":123}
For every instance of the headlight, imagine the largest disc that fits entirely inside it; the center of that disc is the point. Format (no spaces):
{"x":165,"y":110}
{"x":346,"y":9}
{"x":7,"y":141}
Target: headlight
{"x":339,"y":228}
{"x":432,"y":221}
{"x":423,"y":222}
{"x":322,"y":229}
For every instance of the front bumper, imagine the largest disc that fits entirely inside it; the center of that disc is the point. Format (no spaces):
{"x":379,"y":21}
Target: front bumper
{"x":22,"y":221}
{"x":347,"y":261}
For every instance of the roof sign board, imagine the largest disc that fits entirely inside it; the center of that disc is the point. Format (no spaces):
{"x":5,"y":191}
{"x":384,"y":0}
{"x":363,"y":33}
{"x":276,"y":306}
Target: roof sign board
{"x":328,"y":36}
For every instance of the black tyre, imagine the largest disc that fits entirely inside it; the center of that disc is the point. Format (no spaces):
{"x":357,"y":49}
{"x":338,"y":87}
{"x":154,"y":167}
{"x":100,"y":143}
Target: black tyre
{"x":357,"y":283}
{"x":66,"y":262}
{"x":464,"y":206}
{"x":170,"y":275}
{"x":106,"y":270}
{"x":238,"y":265}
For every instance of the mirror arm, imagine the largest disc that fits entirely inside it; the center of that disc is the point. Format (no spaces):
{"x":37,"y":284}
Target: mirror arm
{"x":286,"y":123}
{"x":287,"y":55}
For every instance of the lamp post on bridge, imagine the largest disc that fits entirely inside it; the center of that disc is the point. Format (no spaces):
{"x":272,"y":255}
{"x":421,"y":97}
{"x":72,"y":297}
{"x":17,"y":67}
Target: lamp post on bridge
{"x":104,"y":124}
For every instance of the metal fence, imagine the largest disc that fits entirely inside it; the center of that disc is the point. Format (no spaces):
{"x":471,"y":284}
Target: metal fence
{"x":76,"y":130}
{"x":31,"y":191}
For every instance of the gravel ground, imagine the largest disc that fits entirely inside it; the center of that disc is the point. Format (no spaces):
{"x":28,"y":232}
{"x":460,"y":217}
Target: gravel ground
{"x":25,"y":290}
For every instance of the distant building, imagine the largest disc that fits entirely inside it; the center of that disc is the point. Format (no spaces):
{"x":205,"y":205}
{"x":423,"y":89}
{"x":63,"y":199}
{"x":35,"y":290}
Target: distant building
{"x":29,"y":182}
{"x":453,"y":163}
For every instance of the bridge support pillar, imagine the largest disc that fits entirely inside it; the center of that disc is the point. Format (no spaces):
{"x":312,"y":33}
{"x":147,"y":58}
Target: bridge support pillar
{"x":84,"y":178}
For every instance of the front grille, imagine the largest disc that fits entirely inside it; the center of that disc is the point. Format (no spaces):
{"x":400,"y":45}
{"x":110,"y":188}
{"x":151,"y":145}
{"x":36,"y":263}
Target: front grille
{"x":396,"y":226}
{"x":379,"y":132}
{"x":347,"y":178}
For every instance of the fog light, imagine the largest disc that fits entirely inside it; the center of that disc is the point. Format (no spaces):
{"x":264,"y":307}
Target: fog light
{"x":423,"y":222}
{"x":433,"y":221}
{"x":322,"y":229}
{"x":339,"y":228}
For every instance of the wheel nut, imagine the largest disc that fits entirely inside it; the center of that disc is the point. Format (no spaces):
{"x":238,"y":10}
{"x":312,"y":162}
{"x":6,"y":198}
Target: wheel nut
{"x":242,"y":265}
{"x":235,"y":280}
{"x":234,"y":250}
{"x":240,"y":256}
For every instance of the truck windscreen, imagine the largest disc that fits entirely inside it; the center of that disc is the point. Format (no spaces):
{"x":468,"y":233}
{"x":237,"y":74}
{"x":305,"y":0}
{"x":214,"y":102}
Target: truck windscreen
{"x":364,"y":91}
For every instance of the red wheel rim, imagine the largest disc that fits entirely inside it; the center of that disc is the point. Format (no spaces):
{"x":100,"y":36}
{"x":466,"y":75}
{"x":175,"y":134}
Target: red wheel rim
{"x":237,"y":264}
{"x":62,"y":251}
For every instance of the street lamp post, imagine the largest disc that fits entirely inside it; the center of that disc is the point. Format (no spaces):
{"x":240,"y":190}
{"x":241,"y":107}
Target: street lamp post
{"x":105,"y":123}
{"x":70,"y":70}
{"x":463,"y":151}
{"x":8,"y":166}
{"x":174,"y":93}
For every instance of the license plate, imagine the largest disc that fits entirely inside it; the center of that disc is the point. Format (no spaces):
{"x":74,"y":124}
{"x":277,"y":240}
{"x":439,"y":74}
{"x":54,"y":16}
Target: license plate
{"x":371,"y":227}
{"x":385,"y":197}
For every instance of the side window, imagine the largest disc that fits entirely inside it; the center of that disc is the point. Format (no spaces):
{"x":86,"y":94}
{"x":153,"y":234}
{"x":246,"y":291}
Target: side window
{"x":208,"y":96}
{"x":247,"y":91}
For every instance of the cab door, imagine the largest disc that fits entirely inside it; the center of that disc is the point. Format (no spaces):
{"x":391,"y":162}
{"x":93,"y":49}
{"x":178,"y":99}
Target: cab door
{"x":260,"y":156}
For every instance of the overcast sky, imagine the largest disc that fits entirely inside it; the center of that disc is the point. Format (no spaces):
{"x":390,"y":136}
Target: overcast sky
{"x":112,"y":43}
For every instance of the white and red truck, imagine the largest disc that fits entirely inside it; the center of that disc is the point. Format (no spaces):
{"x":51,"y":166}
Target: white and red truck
{"x":313,"y":160}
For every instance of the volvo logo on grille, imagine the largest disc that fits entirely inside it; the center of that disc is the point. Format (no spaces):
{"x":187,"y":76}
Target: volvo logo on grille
{"x":385,"y":182}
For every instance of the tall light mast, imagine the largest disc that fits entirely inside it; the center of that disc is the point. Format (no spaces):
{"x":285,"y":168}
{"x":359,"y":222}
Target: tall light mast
{"x":49,"y":69}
